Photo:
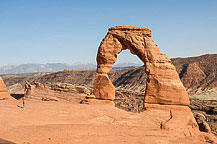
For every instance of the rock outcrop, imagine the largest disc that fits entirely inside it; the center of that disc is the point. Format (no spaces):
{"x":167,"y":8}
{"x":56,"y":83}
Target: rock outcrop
{"x":198,"y":75}
{"x":54,"y":91}
{"x":27,"y":89}
{"x":201,"y":121}
{"x":197,"y":72}
{"x":163,"y":85}
{"x":4,"y":95}
{"x":205,"y":111}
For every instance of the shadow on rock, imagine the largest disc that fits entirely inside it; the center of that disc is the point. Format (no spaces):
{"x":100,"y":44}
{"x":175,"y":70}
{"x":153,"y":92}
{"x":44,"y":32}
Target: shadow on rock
{"x":17,"y":96}
{"x":2,"y":141}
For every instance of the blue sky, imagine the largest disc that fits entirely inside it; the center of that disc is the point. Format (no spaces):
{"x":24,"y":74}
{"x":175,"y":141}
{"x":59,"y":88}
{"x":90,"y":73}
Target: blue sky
{"x":69,"y":31}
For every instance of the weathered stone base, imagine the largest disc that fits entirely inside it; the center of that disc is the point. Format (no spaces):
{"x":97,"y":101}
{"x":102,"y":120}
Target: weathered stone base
{"x":103,"y":87}
{"x":181,"y":120}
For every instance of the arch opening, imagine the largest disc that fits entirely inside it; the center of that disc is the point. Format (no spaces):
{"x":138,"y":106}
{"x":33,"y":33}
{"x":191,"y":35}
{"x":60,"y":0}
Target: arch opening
{"x":129,"y":82}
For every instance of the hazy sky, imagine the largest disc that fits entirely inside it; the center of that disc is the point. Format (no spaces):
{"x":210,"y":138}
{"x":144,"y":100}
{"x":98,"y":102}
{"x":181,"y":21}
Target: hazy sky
{"x":69,"y":31}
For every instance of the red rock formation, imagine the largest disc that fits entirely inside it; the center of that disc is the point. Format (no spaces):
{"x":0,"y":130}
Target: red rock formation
{"x":104,"y":88}
{"x":53,"y":91}
{"x":163,"y":83}
{"x":197,"y":72}
{"x":3,"y":91}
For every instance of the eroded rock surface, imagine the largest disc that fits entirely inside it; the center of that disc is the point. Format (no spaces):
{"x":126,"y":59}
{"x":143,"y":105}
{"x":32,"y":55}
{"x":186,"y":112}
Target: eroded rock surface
{"x":103,"y":87}
{"x":4,"y":95}
{"x":208,"y":109}
{"x":56,"y":91}
{"x":72,"y":123}
{"x":163,"y":83}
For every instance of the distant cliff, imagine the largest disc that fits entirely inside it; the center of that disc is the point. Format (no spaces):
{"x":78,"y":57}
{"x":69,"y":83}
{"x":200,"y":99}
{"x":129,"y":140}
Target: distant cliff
{"x":197,"y":72}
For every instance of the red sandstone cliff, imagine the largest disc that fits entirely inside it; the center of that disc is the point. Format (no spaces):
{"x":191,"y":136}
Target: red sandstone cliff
{"x":197,"y":72}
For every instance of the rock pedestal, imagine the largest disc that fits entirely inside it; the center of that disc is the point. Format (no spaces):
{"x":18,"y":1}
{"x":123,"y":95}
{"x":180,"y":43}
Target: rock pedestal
{"x":163,"y":83}
{"x":103,"y":87}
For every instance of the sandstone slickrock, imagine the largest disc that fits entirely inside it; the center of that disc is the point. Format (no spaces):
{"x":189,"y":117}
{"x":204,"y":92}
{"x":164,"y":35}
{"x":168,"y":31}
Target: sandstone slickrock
{"x":49,"y":98}
{"x":163,"y":83}
{"x":4,"y":95}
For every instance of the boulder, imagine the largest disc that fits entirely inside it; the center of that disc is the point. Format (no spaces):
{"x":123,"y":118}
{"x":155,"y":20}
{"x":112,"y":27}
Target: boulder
{"x":49,"y":98}
{"x":201,"y":121}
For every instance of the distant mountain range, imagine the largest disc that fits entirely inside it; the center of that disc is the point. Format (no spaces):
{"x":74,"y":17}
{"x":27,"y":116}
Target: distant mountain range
{"x":54,"y":67}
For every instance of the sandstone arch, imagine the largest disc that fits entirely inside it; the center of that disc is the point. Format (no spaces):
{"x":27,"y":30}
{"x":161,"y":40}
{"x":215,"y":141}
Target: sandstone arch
{"x":163,"y":85}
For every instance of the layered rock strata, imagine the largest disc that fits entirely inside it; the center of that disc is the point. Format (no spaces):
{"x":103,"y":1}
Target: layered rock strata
{"x":54,"y":91}
{"x":163,"y":85}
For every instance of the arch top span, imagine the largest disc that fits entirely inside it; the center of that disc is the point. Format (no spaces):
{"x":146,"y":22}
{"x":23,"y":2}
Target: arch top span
{"x":119,"y":38}
{"x":145,"y":31}
{"x":163,"y":83}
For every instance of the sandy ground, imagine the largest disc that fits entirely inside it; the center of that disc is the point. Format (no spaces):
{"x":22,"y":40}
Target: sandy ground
{"x":62,"y":122}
